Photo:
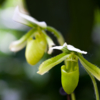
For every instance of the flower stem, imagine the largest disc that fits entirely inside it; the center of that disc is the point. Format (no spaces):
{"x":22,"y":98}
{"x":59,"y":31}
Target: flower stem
{"x":68,"y":97}
{"x":73,"y":96}
{"x":95,"y":85}
{"x":57,"y":34}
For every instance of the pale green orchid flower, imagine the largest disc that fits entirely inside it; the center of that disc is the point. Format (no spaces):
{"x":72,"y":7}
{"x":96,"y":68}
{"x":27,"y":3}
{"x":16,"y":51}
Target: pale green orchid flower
{"x":69,"y":71}
{"x":36,"y":40}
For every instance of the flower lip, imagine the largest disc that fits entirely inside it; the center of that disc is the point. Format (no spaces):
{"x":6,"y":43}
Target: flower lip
{"x":26,"y":19}
{"x":69,"y":47}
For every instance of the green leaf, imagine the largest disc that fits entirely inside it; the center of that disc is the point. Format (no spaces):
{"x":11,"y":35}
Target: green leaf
{"x":94,"y":70}
{"x":50,"y":63}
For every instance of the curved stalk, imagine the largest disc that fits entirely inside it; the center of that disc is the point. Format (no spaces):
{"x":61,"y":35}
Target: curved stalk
{"x":95,"y":85}
{"x":73,"y":96}
{"x":57,"y":34}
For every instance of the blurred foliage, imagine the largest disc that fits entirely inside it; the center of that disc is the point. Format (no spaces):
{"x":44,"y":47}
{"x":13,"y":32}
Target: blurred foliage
{"x":78,"y":21}
{"x":1,"y":2}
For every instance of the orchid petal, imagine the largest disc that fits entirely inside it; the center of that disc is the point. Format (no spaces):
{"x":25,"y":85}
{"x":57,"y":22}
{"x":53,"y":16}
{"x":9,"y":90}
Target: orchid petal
{"x":49,"y":41}
{"x":20,"y":44}
{"x":72,"y":48}
{"x":59,"y":47}
{"x":50,"y":63}
{"x":69,"y":47}
{"x":94,"y":70}
{"x":26,"y":19}
{"x":17,"y":45}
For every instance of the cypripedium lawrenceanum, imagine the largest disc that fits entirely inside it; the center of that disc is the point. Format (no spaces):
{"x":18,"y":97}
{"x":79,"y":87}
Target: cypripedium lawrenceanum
{"x":36,"y":40}
{"x":69,"y":71}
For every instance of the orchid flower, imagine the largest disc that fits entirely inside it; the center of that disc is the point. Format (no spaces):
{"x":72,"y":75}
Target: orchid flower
{"x":36,"y":40}
{"x":69,"y":71}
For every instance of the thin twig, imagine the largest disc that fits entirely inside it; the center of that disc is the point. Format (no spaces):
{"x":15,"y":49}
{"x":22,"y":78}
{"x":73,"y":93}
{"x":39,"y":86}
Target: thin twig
{"x":68,"y":97}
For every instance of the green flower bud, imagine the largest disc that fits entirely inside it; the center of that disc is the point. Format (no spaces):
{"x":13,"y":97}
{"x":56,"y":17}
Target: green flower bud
{"x":35,"y":48}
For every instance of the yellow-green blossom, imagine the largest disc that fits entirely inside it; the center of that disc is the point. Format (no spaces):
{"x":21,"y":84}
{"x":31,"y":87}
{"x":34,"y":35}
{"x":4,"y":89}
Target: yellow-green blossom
{"x":69,"y":71}
{"x":36,"y":40}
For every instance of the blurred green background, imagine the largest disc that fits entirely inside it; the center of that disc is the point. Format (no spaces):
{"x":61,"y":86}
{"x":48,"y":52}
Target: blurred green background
{"x":79,"y":23}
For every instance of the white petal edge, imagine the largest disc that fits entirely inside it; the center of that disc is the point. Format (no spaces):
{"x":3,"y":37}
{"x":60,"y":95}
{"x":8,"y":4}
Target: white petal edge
{"x":50,"y":44}
{"x":59,"y":47}
{"x":26,"y":19}
{"x":14,"y":46}
{"x":72,"y":48}
{"x":69,"y":47}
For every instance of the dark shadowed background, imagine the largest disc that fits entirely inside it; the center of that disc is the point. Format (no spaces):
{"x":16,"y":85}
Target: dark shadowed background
{"x":79,"y":23}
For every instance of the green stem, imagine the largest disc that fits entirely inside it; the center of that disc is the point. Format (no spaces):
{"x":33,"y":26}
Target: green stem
{"x":73,"y":96}
{"x":57,"y":34}
{"x":95,"y":85}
